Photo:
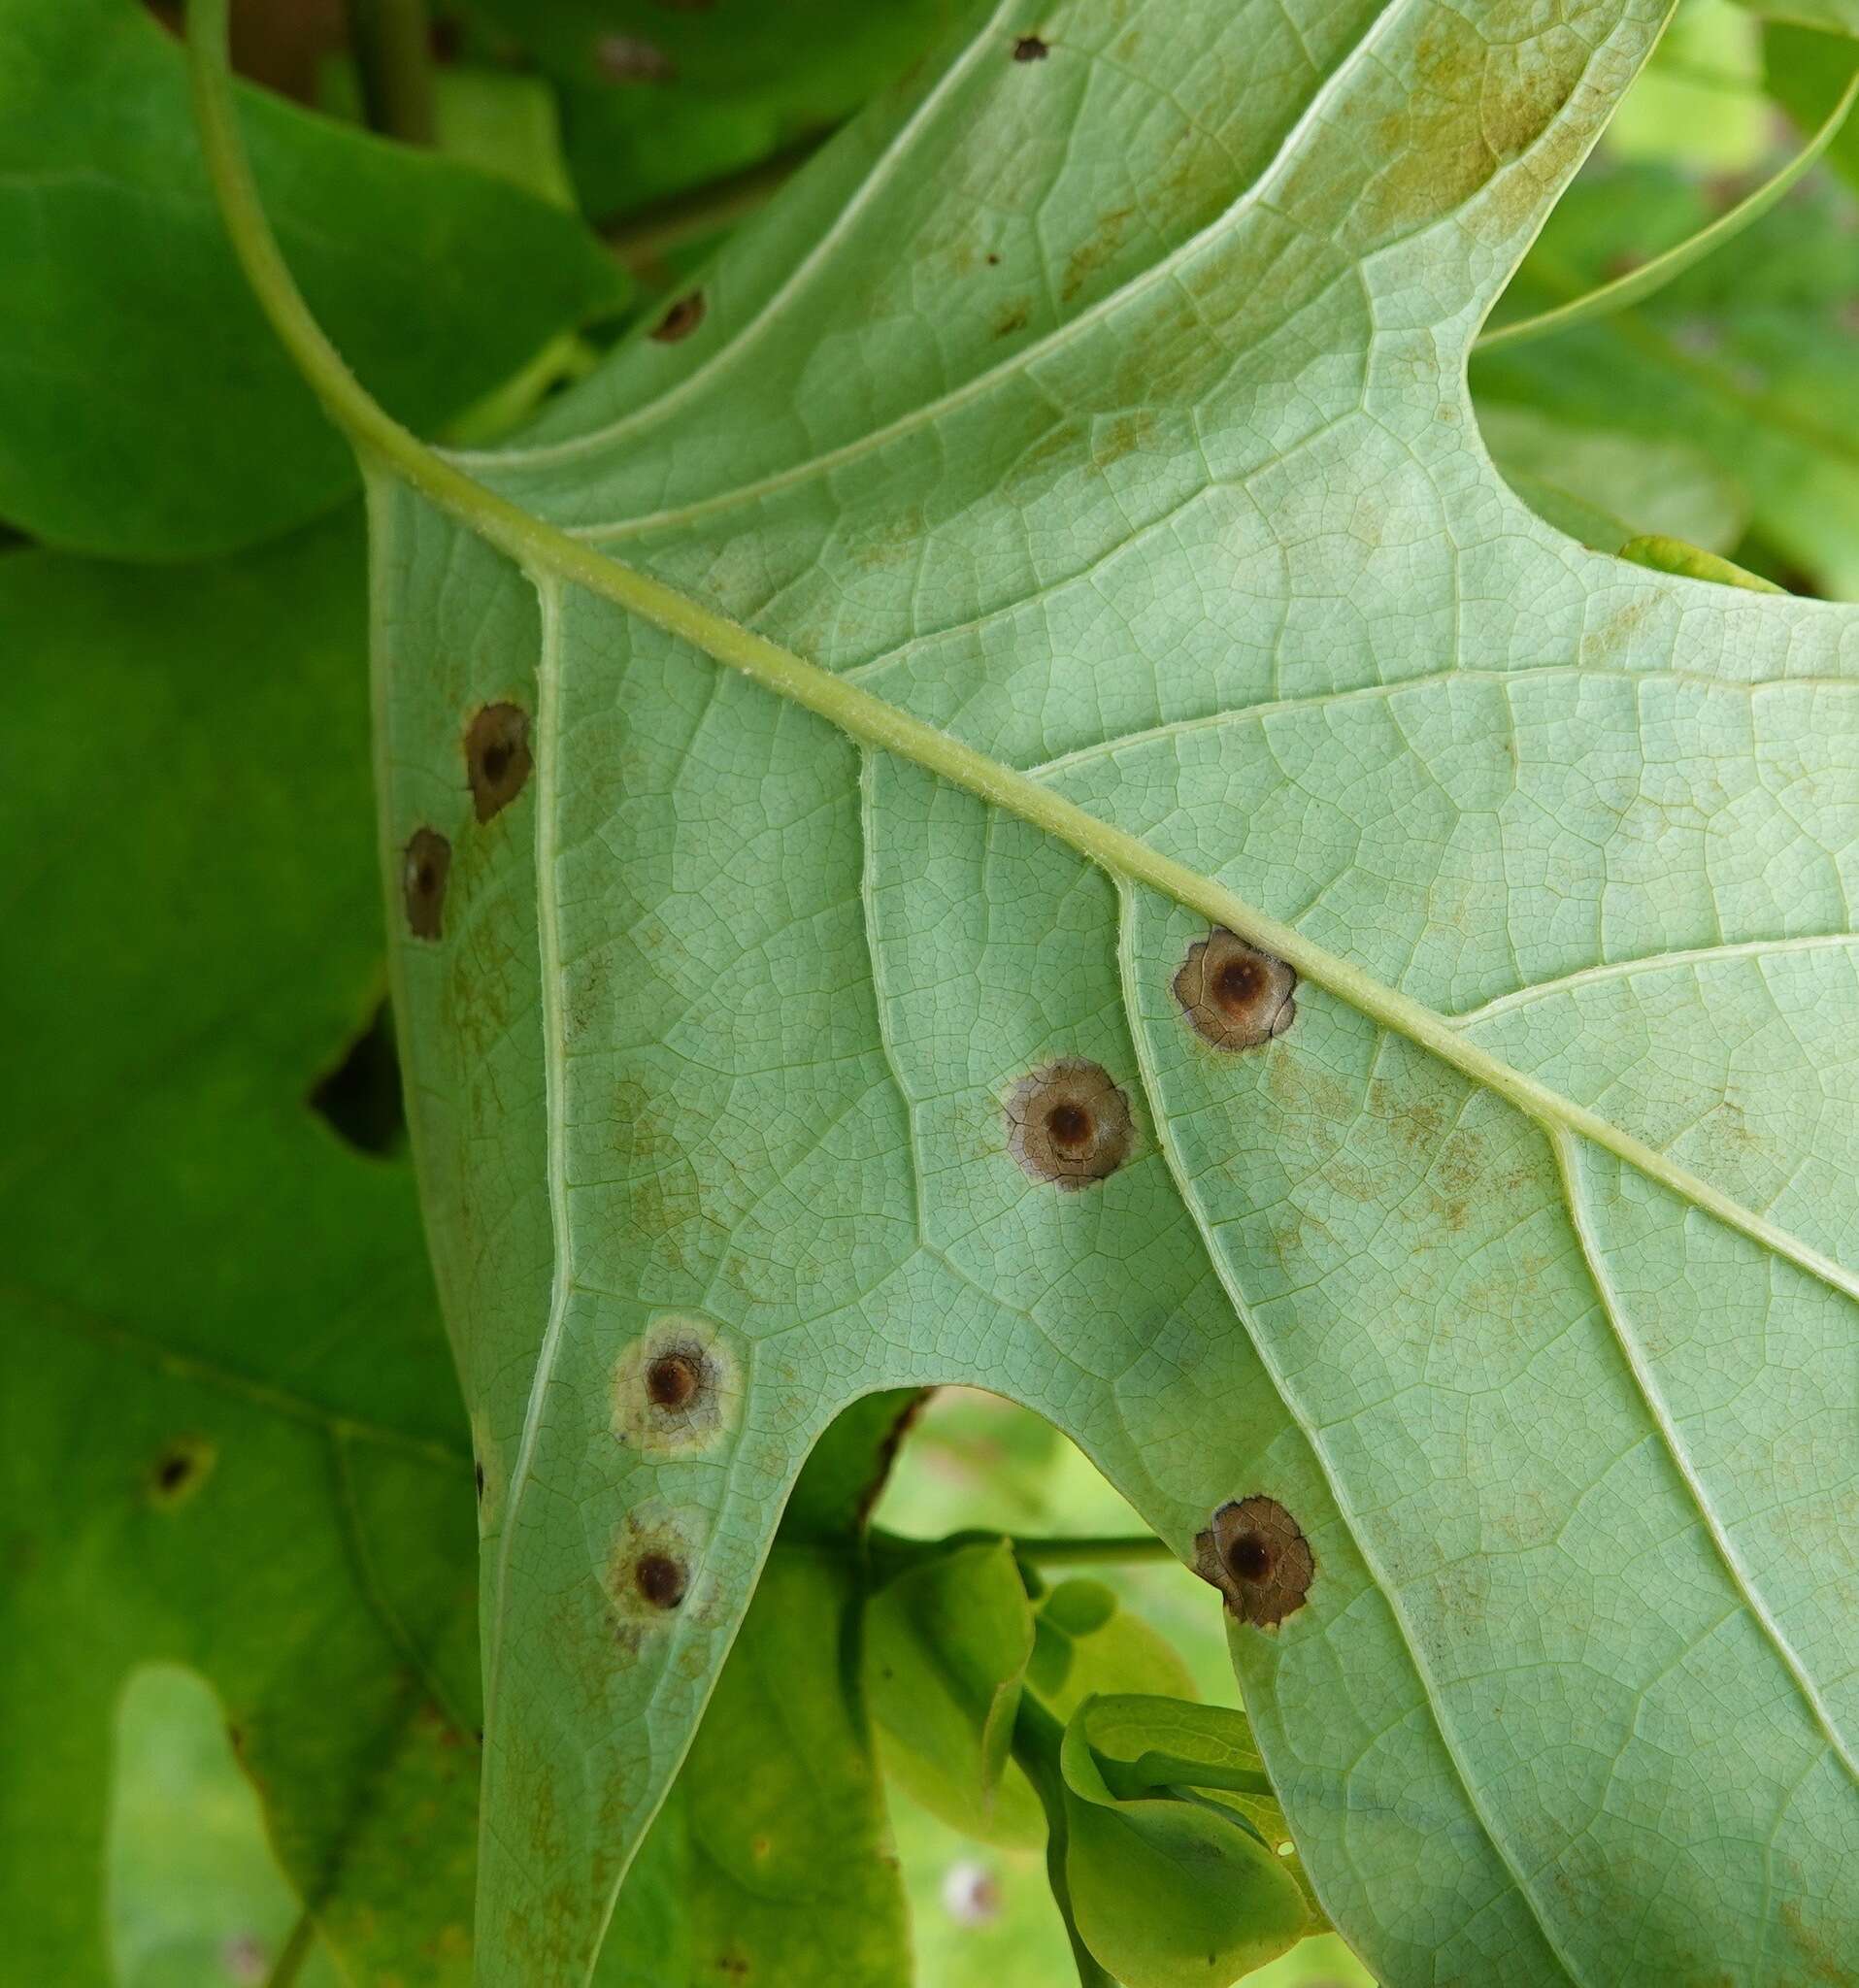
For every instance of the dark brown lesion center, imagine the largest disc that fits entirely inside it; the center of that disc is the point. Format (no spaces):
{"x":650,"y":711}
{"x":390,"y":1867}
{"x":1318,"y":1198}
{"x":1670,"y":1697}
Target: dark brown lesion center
{"x":1255,"y":1553}
{"x":673,"y":1379}
{"x":497,"y":757}
{"x":1250,"y":1558}
{"x":424,"y":868}
{"x":1070,"y":1128}
{"x":1238,"y":984}
{"x":660,"y":1579}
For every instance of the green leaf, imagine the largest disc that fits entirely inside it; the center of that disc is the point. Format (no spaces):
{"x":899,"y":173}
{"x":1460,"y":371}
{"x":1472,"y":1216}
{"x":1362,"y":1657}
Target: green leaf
{"x":1743,"y":360}
{"x":847,"y":1468}
{"x":232,"y":1440}
{"x":268,"y":1481}
{"x":1837,"y":16}
{"x":658,"y":99}
{"x":773,"y":1863}
{"x":1700,"y":98}
{"x":1140,"y":1743}
{"x":860,"y":1009}
{"x":193,"y":1895}
{"x":1169,"y":1893}
{"x":144,"y":411}
{"x":1612,"y":485}
{"x":1674,"y":555}
{"x":1804,"y":69}
{"x":1084,"y":1643}
{"x":946,"y":1644}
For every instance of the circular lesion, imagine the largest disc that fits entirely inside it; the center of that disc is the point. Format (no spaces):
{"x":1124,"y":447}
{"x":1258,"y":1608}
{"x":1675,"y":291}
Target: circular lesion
{"x":182,"y":1466}
{"x":1255,"y":1553}
{"x":661,"y":1579}
{"x":675,"y":1387}
{"x":1069,"y":1123}
{"x":652,"y":1574}
{"x":425,"y":865}
{"x":497,"y":757}
{"x":1234,"y":996}
{"x":680,"y":319}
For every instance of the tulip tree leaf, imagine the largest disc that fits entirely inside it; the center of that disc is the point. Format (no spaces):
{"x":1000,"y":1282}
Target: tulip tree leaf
{"x":145,"y":411}
{"x":1086,"y":434}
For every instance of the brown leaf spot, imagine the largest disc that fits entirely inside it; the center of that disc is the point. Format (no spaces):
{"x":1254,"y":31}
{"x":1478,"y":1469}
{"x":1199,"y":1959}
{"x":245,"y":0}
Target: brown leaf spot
{"x":1068,"y":1123}
{"x":680,"y":319}
{"x":660,"y":1579}
{"x":672,"y":1380}
{"x":1254,"y":1552}
{"x":497,"y":757}
{"x":1235,"y":996}
{"x":674,"y":1387}
{"x":179,"y":1471}
{"x":631,"y":59}
{"x":424,"y":866}
{"x":1030,"y":48}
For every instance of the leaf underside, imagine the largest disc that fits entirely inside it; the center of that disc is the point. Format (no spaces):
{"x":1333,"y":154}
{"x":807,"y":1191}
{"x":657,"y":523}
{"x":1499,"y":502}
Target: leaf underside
{"x":1107,"y":409}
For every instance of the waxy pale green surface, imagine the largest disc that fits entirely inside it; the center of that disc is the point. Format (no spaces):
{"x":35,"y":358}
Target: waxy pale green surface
{"x":1106,"y":406}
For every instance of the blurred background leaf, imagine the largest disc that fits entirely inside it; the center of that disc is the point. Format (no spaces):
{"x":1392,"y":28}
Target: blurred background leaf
{"x":659,"y":96}
{"x":146,"y":410}
{"x":1725,"y":408}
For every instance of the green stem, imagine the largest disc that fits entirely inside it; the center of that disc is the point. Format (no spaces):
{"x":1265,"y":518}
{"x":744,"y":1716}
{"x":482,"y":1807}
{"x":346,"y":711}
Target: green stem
{"x":1639,"y":283}
{"x":1037,"y":1739}
{"x":890,"y":1552}
{"x":543,"y":549}
{"x":296,"y":1950}
{"x":1100,"y":1550}
{"x":393,"y":59}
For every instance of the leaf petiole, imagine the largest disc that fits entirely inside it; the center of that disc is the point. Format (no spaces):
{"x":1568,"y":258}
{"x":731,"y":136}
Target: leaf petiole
{"x":1037,"y":1740}
{"x":289,"y":1963}
{"x":393,"y":59}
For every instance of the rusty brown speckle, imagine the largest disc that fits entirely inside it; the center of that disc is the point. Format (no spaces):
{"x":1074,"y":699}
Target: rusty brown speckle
{"x":1255,"y":1553}
{"x":660,"y":1579}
